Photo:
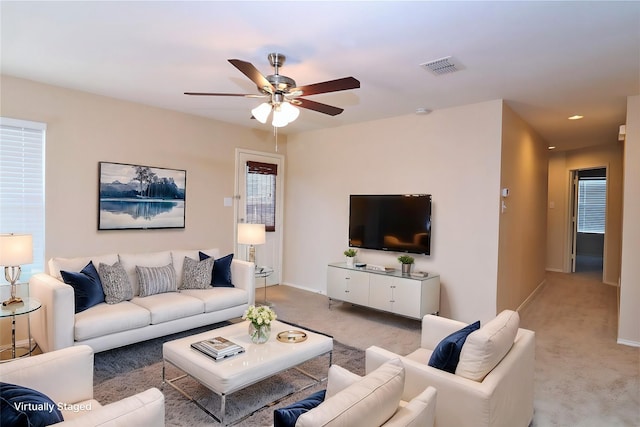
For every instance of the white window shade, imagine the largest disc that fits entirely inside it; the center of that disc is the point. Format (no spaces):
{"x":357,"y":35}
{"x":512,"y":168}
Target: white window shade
{"x":592,"y":204}
{"x":22,"y":186}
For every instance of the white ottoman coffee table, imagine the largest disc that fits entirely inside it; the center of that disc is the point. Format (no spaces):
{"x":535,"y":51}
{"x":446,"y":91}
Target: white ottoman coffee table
{"x":258,"y":362}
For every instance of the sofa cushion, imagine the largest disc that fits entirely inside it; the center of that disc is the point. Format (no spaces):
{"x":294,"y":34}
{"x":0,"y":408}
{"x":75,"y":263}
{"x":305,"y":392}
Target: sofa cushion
{"x":487,"y":346}
{"x":105,"y":319}
{"x":115,"y":283}
{"x":368,"y":402}
{"x":216,"y":299}
{"x":76,"y":264}
{"x":221,"y":276}
{"x":156,"y":280}
{"x":169,"y":306}
{"x":87,"y":288}
{"x":339,"y":379}
{"x":419,"y":412}
{"x":23,"y":406}
{"x":149,"y":259}
{"x":287,"y":416}
{"x":447,"y":353}
{"x":197,"y":274}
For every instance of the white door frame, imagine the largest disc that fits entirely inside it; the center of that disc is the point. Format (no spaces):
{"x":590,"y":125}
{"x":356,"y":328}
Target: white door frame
{"x":573,"y":220}
{"x":238,"y":192}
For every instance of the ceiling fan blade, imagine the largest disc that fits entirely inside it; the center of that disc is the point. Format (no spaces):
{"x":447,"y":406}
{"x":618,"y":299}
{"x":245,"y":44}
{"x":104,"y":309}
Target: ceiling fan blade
{"x":330,"y":86}
{"x":319,"y":107}
{"x":252,"y":72}
{"x":246,"y":95}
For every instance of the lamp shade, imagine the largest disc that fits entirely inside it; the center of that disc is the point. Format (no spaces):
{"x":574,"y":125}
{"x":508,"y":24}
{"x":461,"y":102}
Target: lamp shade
{"x":16,"y":249}
{"x":261,"y":112}
{"x":251,"y":234}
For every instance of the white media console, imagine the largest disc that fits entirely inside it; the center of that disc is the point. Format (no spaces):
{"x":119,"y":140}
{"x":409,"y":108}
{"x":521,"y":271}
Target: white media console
{"x":388,"y":291}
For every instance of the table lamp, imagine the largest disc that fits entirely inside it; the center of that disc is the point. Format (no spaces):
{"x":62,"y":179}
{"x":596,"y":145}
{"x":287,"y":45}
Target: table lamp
{"x":15,"y":249}
{"x":251,"y":234}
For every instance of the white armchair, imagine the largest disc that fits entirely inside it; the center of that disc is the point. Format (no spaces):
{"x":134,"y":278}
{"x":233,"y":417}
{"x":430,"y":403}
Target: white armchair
{"x":66,"y":377}
{"x":372,"y":400}
{"x":502,"y":398}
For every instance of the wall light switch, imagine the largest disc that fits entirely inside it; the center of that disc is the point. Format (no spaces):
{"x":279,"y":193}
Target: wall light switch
{"x":552,"y":205}
{"x":505,"y":192}
{"x":228,"y":202}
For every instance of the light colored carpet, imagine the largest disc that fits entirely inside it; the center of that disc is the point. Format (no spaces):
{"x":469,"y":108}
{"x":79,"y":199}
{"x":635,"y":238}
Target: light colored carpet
{"x":583,"y":378}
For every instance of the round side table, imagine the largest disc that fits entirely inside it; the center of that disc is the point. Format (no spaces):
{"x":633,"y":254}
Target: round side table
{"x":28,"y":305}
{"x":264,"y":272}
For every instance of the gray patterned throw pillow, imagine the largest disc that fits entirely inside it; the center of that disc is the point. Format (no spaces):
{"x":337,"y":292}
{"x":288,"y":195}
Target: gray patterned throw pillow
{"x":197,"y":274}
{"x":115,"y":283}
{"x":156,"y":280}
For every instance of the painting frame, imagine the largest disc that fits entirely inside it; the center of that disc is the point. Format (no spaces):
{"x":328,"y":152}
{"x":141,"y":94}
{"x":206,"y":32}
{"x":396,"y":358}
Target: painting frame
{"x":139,"y":197}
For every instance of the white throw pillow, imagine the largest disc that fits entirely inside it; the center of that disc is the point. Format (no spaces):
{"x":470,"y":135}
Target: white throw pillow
{"x":370,"y":401}
{"x":486,"y":347}
{"x":339,"y":379}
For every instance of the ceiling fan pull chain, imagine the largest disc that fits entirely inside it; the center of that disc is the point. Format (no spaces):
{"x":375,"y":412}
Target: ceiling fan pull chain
{"x":275,"y":133}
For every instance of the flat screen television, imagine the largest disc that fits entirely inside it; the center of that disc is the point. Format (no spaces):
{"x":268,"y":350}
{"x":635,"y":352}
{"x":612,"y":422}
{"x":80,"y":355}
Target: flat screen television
{"x":391,"y":222}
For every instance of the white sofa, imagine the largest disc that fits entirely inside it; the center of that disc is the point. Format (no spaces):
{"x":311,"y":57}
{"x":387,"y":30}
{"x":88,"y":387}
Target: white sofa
{"x":106,"y":326}
{"x":66,"y":377}
{"x":503,"y":397}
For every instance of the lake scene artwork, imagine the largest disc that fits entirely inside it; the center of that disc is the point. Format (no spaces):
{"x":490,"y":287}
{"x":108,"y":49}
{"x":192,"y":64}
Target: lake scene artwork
{"x":141,"y":197}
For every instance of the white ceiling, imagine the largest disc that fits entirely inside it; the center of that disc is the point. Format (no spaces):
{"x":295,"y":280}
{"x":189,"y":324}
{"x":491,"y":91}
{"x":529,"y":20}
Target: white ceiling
{"x":548,"y":60}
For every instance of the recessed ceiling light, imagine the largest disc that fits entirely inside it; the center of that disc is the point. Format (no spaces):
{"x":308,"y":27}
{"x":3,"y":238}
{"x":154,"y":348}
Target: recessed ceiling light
{"x":576,"y":117}
{"x":551,"y":147}
{"x":422,"y":110}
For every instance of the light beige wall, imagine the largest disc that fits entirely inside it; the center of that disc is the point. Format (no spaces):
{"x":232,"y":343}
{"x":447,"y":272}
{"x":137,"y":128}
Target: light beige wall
{"x":84,"y":129}
{"x":629,"y":321}
{"x":558,"y":230}
{"x":557,"y":212}
{"x":453,"y":154}
{"x":523,"y":221}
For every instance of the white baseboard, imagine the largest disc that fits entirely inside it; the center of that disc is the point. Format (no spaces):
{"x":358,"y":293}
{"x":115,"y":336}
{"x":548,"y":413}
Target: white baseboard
{"x":530,"y":297}
{"x":628,"y":342}
{"x":555,"y":270}
{"x":315,"y":291}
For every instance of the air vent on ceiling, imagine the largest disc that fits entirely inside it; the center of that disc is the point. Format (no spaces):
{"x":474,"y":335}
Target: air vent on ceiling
{"x":442,"y":66}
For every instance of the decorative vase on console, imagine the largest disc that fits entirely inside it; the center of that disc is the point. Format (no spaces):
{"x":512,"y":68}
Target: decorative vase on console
{"x":260,"y":319}
{"x":407,"y":263}
{"x":351,"y":256}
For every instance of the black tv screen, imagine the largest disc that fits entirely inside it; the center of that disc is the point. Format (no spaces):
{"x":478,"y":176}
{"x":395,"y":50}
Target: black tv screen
{"x":391,"y":222}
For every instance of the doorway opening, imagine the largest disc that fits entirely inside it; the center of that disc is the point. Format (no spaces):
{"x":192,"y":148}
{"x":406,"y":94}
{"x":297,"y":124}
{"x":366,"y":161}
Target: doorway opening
{"x":588,"y":220}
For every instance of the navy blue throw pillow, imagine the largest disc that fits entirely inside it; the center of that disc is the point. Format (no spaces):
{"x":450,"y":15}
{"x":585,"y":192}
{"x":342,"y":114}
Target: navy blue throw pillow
{"x":287,"y":416}
{"x":221,"y":276}
{"x":87,"y":287}
{"x":447,"y":353}
{"x":22,"y":406}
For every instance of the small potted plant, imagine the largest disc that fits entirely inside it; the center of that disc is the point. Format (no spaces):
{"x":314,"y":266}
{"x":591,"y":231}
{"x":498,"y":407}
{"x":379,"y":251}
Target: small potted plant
{"x":407,"y":262}
{"x":351,"y":256}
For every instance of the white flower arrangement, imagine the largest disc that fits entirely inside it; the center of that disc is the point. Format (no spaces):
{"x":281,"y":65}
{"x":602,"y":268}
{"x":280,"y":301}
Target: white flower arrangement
{"x":259,"y":316}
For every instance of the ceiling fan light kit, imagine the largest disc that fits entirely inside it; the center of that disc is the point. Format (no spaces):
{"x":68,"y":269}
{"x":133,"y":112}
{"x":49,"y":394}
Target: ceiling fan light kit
{"x":283,"y":93}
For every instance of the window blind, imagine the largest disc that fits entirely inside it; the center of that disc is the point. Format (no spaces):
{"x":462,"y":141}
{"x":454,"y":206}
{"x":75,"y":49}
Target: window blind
{"x":261,"y":194}
{"x":592,"y":203}
{"x":22,"y":186}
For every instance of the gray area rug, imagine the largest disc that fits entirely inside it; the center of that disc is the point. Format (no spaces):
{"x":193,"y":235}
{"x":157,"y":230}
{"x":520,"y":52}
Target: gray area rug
{"x":125,"y":371}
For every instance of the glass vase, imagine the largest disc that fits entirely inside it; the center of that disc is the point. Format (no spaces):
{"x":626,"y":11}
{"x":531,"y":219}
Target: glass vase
{"x":259,"y":334}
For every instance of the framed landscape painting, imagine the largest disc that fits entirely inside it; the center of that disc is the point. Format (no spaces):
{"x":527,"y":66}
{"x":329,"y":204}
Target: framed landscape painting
{"x":140,"y":197}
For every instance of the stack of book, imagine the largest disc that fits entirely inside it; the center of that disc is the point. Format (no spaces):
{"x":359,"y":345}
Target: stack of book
{"x":218,"y":348}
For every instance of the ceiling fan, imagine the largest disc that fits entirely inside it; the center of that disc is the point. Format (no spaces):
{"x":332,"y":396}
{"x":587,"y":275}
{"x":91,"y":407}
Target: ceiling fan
{"x":282,"y":94}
